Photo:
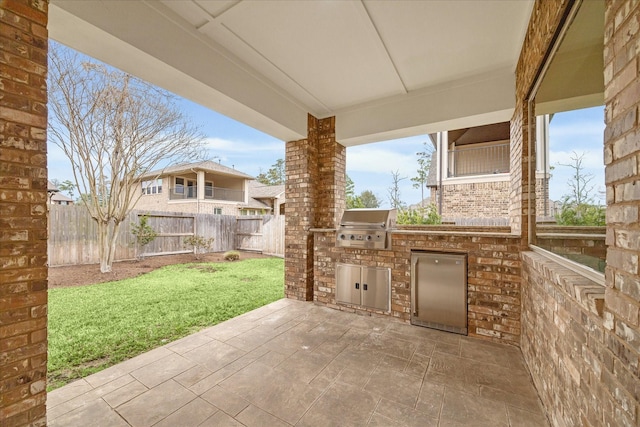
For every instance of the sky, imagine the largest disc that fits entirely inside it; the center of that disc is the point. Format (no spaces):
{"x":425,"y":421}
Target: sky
{"x":370,"y":166}
{"x":577,"y":132}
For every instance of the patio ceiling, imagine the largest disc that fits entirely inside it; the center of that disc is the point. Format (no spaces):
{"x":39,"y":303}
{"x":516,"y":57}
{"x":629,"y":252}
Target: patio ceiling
{"x":385,"y":69}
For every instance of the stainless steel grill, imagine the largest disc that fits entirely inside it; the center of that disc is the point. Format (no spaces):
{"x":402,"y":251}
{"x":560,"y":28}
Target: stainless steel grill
{"x":366,"y":228}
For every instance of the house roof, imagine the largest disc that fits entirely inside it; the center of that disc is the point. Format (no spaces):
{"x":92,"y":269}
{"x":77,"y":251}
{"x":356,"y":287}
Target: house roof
{"x":384,"y":69}
{"x":261,"y":191}
{"x":51,"y":188}
{"x":207,"y":166}
{"x":253,"y":203}
{"x":59,"y":197}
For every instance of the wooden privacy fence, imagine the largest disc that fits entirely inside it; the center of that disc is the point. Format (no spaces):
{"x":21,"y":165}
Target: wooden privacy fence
{"x":263,"y":234}
{"x":73,"y":235}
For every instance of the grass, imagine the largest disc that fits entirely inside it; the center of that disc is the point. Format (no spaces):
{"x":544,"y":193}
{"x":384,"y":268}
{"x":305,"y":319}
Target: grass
{"x":96,"y":326}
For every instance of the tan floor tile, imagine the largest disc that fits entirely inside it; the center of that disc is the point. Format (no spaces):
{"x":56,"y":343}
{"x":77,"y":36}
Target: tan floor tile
{"x":155,"y":404}
{"x":340,"y":405}
{"x":253,"y":416}
{"x":124,"y":394}
{"x":220,"y":419}
{"x":304,"y":365}
{"x":430,"y":399}
{"x":399,"y":387}
{"x":127,"y":367}
{"x":405,"y":415}
{"x":378,"y":420}
{"x":189,"y":343}
{"x":191,"y":414}
{"x":162,"y":369}
{"x":464,"y":409}
{"x":214,"y":355}
{"x":227,"y":401}
{"x":68,"y":392}
{"x":193,"y":375}
{"x":389,"y":345}
{"x":418,"y":365}
{"x":287,"y":398}
{"x":95,"y":414}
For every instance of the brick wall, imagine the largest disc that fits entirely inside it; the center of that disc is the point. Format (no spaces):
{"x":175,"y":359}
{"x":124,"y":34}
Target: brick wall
{"x":493,"y":275}
{"x":580,"y":340}
{"x":476,"y":200}
{"x":314,"y":191}
{"x":23,"y":212}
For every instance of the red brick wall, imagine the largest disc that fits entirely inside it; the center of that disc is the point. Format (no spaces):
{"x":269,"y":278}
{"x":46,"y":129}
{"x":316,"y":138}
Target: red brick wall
{"x":493,"y":275}
{"x":314,"y":190}
{"x":580,"y":340}
{"x":23,"y":212}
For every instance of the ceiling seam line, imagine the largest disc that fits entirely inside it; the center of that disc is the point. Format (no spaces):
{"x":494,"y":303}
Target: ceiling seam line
{"x":386,"y":49}
{"x":276,"y":67}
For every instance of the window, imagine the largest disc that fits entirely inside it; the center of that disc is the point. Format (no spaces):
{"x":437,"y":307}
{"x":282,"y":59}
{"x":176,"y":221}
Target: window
{"x":152,"y":186}
{"x":568,"y":167}
{"x":208,"y":190}
{"x":179,"y":189}
{"x":217,"y":211}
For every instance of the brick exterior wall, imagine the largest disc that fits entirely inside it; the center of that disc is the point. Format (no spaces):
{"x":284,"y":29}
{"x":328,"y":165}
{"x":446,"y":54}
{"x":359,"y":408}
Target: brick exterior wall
{"x":580,"y":340}
{"x":23,"y":212}
{"x":314,"y":191}
{"x":476,"y":200}
{"x":493,"y":275}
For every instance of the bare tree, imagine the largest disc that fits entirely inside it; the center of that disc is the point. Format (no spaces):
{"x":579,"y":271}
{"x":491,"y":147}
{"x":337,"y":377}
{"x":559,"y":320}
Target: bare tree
{"x":113,"y":128}
{"x":394,"y":190}
{"x":579,"y":185}
{"x":424,"y":164}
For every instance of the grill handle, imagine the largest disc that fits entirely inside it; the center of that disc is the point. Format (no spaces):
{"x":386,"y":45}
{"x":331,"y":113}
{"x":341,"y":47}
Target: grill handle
{"x":414,"y":288}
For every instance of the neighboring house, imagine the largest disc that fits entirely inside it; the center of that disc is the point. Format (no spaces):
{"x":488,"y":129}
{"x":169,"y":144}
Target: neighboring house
{"x":55,"y":197}
{"x":469,"y":174}
{"x":271,"y":195}
{"x":203,"y":187}
{"x":470,"y":178}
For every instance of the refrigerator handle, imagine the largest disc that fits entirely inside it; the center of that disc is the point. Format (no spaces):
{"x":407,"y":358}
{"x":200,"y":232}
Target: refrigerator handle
{"x":414,"y":271}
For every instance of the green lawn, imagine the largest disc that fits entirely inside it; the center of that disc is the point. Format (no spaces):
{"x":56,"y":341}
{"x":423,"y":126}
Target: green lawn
{"x":93,"y":327}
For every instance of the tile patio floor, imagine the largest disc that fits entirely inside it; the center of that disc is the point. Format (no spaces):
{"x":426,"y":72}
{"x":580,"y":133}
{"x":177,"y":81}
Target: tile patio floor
{"x":294,"y":363}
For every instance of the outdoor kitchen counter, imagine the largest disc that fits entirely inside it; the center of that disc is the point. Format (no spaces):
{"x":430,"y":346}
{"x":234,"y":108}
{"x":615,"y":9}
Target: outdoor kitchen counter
{"x":494,"y":271}
{"x":442,"y":230}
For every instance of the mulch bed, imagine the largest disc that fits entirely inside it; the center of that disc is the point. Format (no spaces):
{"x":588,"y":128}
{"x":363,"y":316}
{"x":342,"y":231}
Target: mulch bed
{"x":79,"y":275}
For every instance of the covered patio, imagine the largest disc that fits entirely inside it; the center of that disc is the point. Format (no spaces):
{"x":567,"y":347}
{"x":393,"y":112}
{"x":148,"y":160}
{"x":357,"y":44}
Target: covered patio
{"x":296,"y":363}
{"x":324,"y":76}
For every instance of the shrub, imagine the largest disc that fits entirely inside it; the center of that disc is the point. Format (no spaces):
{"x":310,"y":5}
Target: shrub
{"x":581,"y":214}
{"x":420,"y":216}
{"x":232,"y":256}
{"x":143,"y":232}
{"x":199,"y":244}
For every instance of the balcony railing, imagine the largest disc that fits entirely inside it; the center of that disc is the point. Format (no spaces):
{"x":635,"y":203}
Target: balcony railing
{"x":217,"y":193}
{"x":479,"y":161}
{"x":210,"y":193}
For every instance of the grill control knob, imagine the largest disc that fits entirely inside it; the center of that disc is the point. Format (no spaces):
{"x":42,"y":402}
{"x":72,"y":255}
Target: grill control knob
{"x":368,"y":237}
{"x":352,"y":237}
{"x":342,"y":237}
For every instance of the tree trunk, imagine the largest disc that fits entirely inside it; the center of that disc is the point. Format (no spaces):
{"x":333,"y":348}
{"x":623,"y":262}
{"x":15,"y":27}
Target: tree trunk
{"x":103,"y":246}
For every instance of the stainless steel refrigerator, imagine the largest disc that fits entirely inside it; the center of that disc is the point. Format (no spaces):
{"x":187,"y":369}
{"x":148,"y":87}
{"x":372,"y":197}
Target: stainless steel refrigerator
{"x":439,"y":291}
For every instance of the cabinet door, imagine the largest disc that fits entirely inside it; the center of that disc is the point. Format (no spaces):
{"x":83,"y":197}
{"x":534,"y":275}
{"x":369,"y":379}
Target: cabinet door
{"x":376,"y":288}
{"x":348,"y":284}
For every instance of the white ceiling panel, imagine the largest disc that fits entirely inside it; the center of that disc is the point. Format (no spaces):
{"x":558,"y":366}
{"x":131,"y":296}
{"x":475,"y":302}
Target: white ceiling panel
{"x":384,"y":68}
{"x":329,"y":48}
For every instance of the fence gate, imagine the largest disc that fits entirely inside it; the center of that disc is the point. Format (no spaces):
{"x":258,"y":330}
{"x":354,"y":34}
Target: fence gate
{"x":249,"y":233}
{"x":172,"y":230}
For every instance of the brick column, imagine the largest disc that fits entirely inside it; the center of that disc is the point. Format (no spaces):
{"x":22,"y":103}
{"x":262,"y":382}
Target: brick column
{"x":546,"y":18}
{"x":23,"y":212}
{"x":315,"y":169}
{"x":622,"y":179}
